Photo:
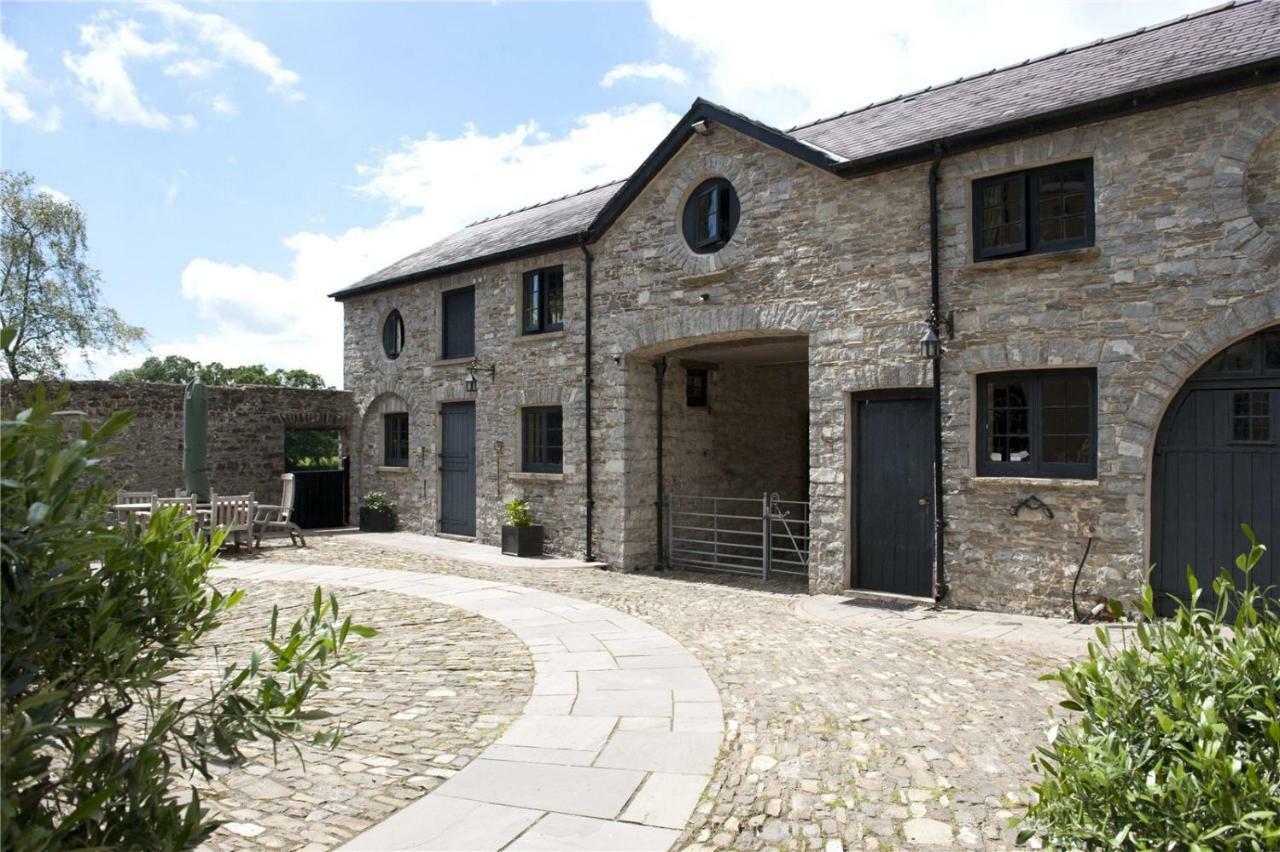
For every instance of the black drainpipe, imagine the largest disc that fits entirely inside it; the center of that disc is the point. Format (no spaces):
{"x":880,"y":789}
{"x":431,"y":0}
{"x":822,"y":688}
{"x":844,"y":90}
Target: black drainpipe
{"x":935,"y":315}
{"x":660,"y":374}
{"x":586,"y":390}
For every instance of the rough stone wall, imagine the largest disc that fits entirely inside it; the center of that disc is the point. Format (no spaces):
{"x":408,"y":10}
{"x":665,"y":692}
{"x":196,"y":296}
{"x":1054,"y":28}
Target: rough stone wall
{"x":1180,"y":269}
{"x":543,"y":369}
{"x":246,"y":431}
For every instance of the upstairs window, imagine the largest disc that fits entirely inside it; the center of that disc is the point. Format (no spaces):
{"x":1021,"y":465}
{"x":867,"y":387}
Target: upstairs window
{"x":395,"y":439}
{"x":1251,"y":417}
{"x":458,"y":323}
{"x":543,"y":302}
{"x":393,"y":335}
{"x":695,"y":387}
{"x":542,"y":439}
{"x":1040,"y":423}
{"x":710,"y":216}
{"x":1038,"y":210}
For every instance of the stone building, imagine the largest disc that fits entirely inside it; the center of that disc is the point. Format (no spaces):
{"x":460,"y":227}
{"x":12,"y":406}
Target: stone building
{"x":968,"y":337}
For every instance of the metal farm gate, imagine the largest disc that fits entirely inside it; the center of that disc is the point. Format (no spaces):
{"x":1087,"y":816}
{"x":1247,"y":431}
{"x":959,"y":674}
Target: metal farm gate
{"x":756,"y":536}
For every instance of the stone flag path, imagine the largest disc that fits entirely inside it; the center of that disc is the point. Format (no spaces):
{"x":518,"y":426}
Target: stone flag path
{"x":613,"y":750}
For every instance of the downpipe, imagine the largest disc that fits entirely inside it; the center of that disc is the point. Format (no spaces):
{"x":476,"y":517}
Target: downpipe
{"x":935,"y":315}
{"x":660,"y":375}
{"x":587,"y":381}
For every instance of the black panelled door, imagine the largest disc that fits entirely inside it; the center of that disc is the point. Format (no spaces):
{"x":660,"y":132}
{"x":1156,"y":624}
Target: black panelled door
{"x":893,"y":485}
{"x":458,"y":468}
{"x":1217,"y":465}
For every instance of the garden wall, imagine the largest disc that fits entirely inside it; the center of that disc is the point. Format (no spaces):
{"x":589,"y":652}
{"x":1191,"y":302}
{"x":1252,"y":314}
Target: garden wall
{"x":246,"y":431}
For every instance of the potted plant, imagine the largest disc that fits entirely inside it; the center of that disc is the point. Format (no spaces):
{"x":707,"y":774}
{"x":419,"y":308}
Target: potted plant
{"x":520,"y":535}
{"x":377,"y":512}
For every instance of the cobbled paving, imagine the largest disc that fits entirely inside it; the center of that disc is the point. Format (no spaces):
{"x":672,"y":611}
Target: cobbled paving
{"x":837,"y":738}
{"x":429,"y":693}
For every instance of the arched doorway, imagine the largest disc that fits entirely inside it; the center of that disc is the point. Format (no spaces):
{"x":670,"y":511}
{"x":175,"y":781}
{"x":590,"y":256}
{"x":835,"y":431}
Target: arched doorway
{"x":1217,"y":465}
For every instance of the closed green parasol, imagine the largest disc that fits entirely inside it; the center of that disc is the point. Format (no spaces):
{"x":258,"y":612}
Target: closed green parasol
{"x":195,"y":440}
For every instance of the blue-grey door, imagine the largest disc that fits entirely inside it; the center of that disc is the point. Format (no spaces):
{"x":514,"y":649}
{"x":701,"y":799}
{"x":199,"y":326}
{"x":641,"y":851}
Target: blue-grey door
{"x":893,"y":488}
{"x":458,"y":468}
{"x":1217,"y":465}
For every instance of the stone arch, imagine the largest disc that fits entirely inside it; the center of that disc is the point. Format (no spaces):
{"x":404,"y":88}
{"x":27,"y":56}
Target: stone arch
{"x":1252,"y":145}
{"x":715,"y":322}
{"x":1262,"y":183}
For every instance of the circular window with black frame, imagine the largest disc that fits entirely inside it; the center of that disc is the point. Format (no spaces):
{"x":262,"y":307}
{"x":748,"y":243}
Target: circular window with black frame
{"x":393,"y":335}
{"x":710,"y":216}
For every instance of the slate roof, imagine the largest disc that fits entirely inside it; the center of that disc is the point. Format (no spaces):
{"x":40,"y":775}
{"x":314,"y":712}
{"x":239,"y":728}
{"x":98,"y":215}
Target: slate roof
{"x":1193,"y":47}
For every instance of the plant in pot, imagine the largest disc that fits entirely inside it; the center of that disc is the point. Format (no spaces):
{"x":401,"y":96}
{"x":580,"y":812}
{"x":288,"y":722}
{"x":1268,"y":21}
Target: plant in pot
{"x":520,"y":535}
{"x":377,"y":512}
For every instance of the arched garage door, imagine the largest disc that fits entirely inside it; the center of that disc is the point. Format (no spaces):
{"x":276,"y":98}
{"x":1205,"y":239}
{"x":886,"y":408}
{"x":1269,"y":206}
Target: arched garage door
{"x":1217,"y":465}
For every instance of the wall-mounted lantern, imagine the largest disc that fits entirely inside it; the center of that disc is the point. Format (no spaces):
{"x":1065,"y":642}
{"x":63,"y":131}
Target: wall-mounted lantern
{"x":470,"y":384}
{"x":931,"y":344}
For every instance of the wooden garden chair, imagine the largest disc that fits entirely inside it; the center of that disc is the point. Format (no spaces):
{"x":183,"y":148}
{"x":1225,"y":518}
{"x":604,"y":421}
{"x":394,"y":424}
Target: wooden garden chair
{"x":279,"y":519}
{"x":125,"y":498}
{"x":234,"y":514}
{"x":188,"y":505}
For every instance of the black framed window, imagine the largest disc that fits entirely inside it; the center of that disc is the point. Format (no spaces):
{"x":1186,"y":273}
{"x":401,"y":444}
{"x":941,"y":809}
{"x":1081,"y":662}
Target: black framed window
{"x":543,"y":302}
{"x":1251,"y":417}
{"x":395,"y":439}
{"x":695,"y":387}
{"x":542,"y":439}
{"x":458,"y":323}
{"x":1038,"y":210}
{"x":393,"y":334}
{"x":710,"y":216}
{"x":1039,"y":423}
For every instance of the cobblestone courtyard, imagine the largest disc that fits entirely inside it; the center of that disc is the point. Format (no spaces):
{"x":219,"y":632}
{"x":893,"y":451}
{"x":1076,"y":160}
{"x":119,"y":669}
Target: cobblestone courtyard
{"x":431,"y":690}
{"x":836,"y":736}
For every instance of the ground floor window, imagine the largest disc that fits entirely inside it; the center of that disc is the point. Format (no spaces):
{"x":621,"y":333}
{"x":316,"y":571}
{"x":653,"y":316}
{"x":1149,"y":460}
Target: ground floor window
{"x":395,"y":444}
{"x":1038,"y":423}
{"x":541,"y":439}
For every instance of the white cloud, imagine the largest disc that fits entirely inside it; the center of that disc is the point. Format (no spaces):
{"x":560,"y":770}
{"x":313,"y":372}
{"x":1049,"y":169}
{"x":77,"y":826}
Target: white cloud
{"x":56,"y":195}
{"x":433,"y":186}
{"x":644,"y":71}
{"x":819,"y":58}
{"x":15,"y":79}
{"x":232,"y":44}
{"x":223,"y":105}
{"x":196,"y":69}
{"x":105,"y":84}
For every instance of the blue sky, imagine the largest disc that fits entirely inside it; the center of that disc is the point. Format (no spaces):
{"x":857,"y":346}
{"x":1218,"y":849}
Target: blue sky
{"x":238,"y":161}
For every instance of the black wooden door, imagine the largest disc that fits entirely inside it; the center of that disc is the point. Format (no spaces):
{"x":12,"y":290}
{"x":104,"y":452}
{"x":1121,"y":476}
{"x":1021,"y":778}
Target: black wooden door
{"x":320,"y":498}
{"x":893,"y":486}
{"x":1217,"y":465}
{"x":458,"y":468}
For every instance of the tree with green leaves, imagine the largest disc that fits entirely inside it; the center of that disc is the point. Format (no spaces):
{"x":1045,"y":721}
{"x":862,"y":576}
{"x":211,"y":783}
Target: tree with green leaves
{"x":93,"y":620}
{"x":49,"y":295}
{"x":175,"y":369}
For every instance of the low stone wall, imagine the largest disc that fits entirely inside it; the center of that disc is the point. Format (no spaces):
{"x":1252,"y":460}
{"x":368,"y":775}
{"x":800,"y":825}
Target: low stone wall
{"x":246,"y":431}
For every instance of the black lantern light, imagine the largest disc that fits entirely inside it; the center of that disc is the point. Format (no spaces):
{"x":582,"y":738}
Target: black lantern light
{"x":931,"y":344}
{"x":470,"y":384}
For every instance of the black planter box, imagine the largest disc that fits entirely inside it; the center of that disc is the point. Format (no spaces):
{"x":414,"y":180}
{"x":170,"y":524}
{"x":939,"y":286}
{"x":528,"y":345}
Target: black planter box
{"x":377,"y":520}
{"x":522,"y":541}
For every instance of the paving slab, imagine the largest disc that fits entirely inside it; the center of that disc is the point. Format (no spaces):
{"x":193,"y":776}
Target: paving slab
{"x":661,"y":751}
{"x":445,"y":823}
{"x":560,"y":833}
{"x":665,"y":799}
{"x":582,"y":790}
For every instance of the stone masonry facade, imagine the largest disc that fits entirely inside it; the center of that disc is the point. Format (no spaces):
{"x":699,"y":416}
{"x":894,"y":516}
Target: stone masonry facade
{"x":246,"y":431}
{"x":1184,"y":263}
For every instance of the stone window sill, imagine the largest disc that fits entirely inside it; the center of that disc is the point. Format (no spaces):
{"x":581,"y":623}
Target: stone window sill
{"x":453,"y":362}
{"x":1033,"y":482}
{"x":1043,"y":260}
{"x":387,"y":468}
{"x":526,"y":476}
{"x":543,"y":337}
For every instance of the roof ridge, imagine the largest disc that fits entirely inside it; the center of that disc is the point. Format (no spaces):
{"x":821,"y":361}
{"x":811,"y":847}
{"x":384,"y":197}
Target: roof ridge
{"x":1212,"y":10}
{"x":538,"y":204}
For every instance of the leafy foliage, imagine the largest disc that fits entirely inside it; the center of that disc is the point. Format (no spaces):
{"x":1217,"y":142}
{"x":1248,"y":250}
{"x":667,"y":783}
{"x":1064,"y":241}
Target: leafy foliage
{"x":174,"y":369}
{"x":1177,"y":745}
{"x":93,"y":620}
{"x":311,"y":449}
{"x":518,"y":513}
{"x":378,"y":501}
{"x":49,"y":295}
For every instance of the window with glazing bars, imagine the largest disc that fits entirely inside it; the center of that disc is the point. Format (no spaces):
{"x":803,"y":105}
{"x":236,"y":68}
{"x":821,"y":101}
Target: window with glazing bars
{"x":1038,"y":210}
{"x":1040,"y":423}
{"x":395,"y":443}
{"x":541,"y":439}
{"x":543,"y":303}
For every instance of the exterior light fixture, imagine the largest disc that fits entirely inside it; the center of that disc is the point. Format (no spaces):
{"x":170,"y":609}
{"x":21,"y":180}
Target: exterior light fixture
{"x":701,"y":127}
{"x":931,"y":344}
{"x":470,"y":384}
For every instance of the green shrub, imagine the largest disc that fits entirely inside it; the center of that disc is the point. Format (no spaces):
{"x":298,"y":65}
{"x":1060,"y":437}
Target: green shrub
{"x":93,"y":620}
{"x":1177,"y":741}
{"x":378,"y":501}
{"x":518,"y":513}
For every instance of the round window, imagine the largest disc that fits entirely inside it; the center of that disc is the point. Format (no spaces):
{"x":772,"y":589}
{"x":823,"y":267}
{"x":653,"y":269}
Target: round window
{"x":393,"y":335}
{"x":710,"y":216}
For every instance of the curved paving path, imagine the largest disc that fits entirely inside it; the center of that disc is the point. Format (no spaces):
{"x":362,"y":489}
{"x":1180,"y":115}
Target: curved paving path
{"x":612,"y":751}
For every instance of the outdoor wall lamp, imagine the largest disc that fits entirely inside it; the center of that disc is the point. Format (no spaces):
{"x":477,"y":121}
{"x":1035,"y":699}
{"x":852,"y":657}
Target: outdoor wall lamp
{"x":701,"y":128}
{"x":470,"y":384}
{"x":931,"y":344}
